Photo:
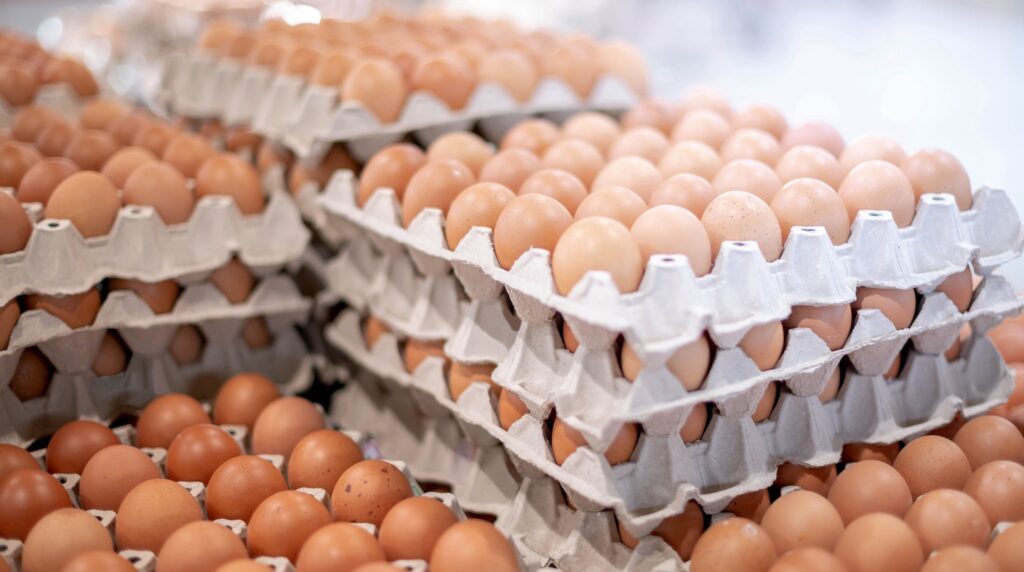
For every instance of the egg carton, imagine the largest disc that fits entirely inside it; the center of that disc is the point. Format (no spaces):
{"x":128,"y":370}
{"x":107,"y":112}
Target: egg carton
{"x":202,"y":86}
{"x":736,"y":455}
{"x":58,"y":260}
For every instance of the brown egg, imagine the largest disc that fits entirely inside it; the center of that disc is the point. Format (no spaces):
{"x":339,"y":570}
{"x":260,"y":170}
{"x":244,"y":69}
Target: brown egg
{"x":855,"y":452}
{"x":947,"y":517}
{"x":814,"y":479}
{"x":13,"y":458}
{"x":617,"y":203}
{"x":283,"y":423}
{"x":111,"y":473}
{"x":283,"y":522}
{"x":135,"y":527}
{"x":871,"y":148}
{"x":198,"y":451}
{"x":320,"y":458}
{"x":462,"y":375}
{"x":125,"y":128}
{"x":15,"y":160}
{"x":574,"y":156}
{"x":159,"y":296}
{"x":100,"y":113}
{"x":869,"y":486}
{"x":112,"y":357}
{"x":199,"y":546}
{"x":802,"y":519}
{"x":753,"y":144}
{"x":815,"y":133}
{"x":565,"y":440}
{"x":763,"y":117}
{"x":75,"y":310}
{"x":54,"y":138}
{"x":831,"y":323}
{"x":897,"y":305}
{"x":597,"y":243}
{"x":931,"y":462}
{"x":90,"y":149}
{"x":808,"y":560}
{"x":256,"y":333}
{"x":529,"y":221}
{"x":810,"y":162}
{"x":186,"y":345}
{"x":167,"y":416}
{"x":703,"y":125}
{"x":60,"y":536}
{"x":98,"y":561}
{"x":510,"y":168}
{"x":634,"y":173}
{"x":559,"y":185}
{"x":669,"y":229}
{"x":418,"y":350}
{"x":234,"y":280}
{"x":680,"y":532}
{"x":573,"y":65}
{"x":239,"y":485}
{"x":155,"y":136}
{"x":30,"y":120}
{"x":391,"y":167}
{"x":271,"y":155}
{"x":571,"y":343}
{"x":42,"y":178}
{"x":445,"y":76}
{"x":990,"y":438}
{"x":374,"y":328}
{"x":467,"y":148}
{"x":26,"y":496}
{"x":32,"y":375}
{"x":510,"y":408}
{"x":691,"y":157}
{"x":478,"y":205}
{"x":299,"y":61}
{"x":241,"y":399}
{"x":685,"y":190}
{"x":238,"y":139}
{"x":767,"y":403}
{"x":937,"y":171}
{"x":595,"y":128}
{"x":533,"y":135}
{"x":998,"y":486}
{"x":878,"y":185}
{"x":10,"y":313}
{"x":958,"y":558}
{"x":747,"y":175}
{"x":88,"y":200}
{"x":1007,"y":549}
{"x":959,"y":288}
{"x":624,"y":61}
{"x":339,"y":547}
{"x":186,"y":152}
{"x":337,"y":159}
{"x":435,"y":185}
{"x":738,"y":215}
{"x":810,"y":202}
{"x":122,"y":164}
{"x":17,"y":229}
{"x":705,"y":97}
{"x":733,"y":544}
{"x":74,"y":73}
{"x":367,"y":490}
{"x":412,"y":527}
{"x":331,"y":69}
{"x":695,"y":424}
{"x":510,"y":69}
{"x":18,"y":85}
{"x":473,"y":545}
{"x":378,"y":85}
{"x":230,"y":175}
{"x":879,"y":542}
{"x":75,"y":443}
{"x":162,"y":187}
{"x":645,"y":142}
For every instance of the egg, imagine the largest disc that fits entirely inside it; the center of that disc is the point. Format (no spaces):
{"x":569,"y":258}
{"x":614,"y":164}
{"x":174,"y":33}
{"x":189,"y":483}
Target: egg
{"x":268,"y":52}
{"x":75,"y":310}
{"x":685,"y":190}
{"x":283,"y":522}
{"x":645,"y":142}
{"x":299,"y":61}
{"x":511,"y":70}
{"x":136,"y":528}
{"x":749,"y":176}
{"x":198,"y":451}
{"x":931,"y":462}
{"x":55,"y":137}
{"x":59,"y":537}
{"x":162,"y":187}
{"x":98,"y":560}
{"x":809,"y":161}
{"x":15,"y":160}
{"x":573,"y":65}
{"x":73,"y":72}
{"x":100,"y":113}
{"x":13,"y":458}
{"x":233,"y":280}
{"x":565,"y":440}
{"x":123,"y":163}
{"x":691,"y":157}
{"x":597,"y":243}
{"x":373,"y":328}
{"x":529,"y":221}
{"x":377,"y":85}
{"x":815,"y":133}
{"x":331,"y":69}
{"x":575,"y":156}
{"x":854,"y":452}
{"x":42,"y":178}
{"x":617,"y":203}
{"x":17,"y":229}
{"x":339,"y":546}
{"x":159,"y":296}
{"x":391,"y":167}
{"x":230,"y":175}
{"x":947,"y":517}
{"x":91,"y":148}
{"x":957,"y":558}
{"x":271,"y":155}
{"x":478,"y":205}
{"x":473,"y":545}
{"x":649,"y":113}
{"x":753,"y":144}
{"x":742,"y":216}
{"x":418,"y":350}
{"x":29,"y":121}
{"x":879,"y":542}
{"x":167,"y":416}
{"x":897,"y":305}
{"x":445,"y":76}
{"x":510,"y":168}
{"x":510,"y":408}
{"x":871,"y":148}
{"x":32,"y":375}
{"x":703,"y":125}
{"x":680,"y":532}
{"x":1006,"y":549}
{"x":937,"y":171}
{"x":998,"y":487}
{"x":10,"y":313}
{"x":75,"y":443}
{"x":26,"y":496}
{"x":733,"y":544}
{"x":830,"y":323}
{"x":533,"y":135}
{"x":669,"y":229}
{"x":462,"y":375}
{"x":186,"y":152}
{"x":808,"y":560}
{"x":435,"y":185}
{"x":762,"y":117}
{"x":125,"y":128}
{"x":239,"y":485}
{"x":802,"y":519}
{"x":241,"y":399}
{"x":595,"y":128}
{"x":705,"y":97}
{"x":18,"y":85}
{"x":256,"y":333}
{"x":283,"y":423}
{"x":810,"y":202}
{"x":187,"y":345}
{"x":111,"y":473}
{"x":813,"y":479}
{"x":199,"y":546}
{"x":412,"y":527}
{"x":624,"y":61}
{"x":112,"y":357}
{"x":869,"y":486}
{"x":88,"y":200}
{"x":467,"y":148}
{"x":695,"y":424}
{"x":959,"y":288}
{"x":367,"y":490}
{"x":155,"y":136}
{"x":320,"y":458}
{"x":878,"y":185}
{"x":989,"y":438}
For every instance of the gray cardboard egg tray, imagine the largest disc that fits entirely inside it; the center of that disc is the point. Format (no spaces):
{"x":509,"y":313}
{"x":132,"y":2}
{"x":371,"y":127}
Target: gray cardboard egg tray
{"x":58,"y":260}
{"x":146,"y":561}
{"x":76,"y":392}
{"x":198,"y":85}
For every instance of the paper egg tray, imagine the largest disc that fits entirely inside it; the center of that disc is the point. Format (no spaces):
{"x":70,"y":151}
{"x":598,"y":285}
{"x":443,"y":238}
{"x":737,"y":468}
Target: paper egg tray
{"x":735,"y":455}
{"x":57,"y":260}
{"x":197,"y":85}
{"x":146,"y":561}
{"x":76,"y":392}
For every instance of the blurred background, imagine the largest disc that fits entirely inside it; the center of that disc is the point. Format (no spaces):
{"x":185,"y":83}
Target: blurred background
{"x":943,"y":73}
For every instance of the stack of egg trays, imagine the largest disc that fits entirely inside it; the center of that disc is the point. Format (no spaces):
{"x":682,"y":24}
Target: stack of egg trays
{"x":146,"y":561}
{"x":58,"y":261}
{"x":308,"y":118}
{"x":405,"y":277}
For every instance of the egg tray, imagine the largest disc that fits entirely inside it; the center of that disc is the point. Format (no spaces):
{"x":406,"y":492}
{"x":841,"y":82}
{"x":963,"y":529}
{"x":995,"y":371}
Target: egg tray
{"x":58,"y":260}
{"x":197,"y":85}
{"x":736,"y":455}
{"x":75,"y":392}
